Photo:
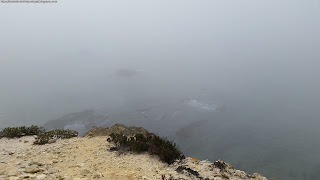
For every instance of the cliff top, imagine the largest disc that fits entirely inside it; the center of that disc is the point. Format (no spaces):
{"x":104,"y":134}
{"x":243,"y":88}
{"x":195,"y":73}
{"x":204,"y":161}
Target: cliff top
{"x":91,"y":158}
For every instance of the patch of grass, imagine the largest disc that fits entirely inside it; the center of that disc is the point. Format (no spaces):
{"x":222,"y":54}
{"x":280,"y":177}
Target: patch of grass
{"x":17,"y":132}
{"x":162,"y":147}
{"x":55,"y":134}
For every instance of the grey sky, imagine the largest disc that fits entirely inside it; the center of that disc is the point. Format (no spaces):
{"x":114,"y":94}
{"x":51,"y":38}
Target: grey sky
{"x":57,"y":58}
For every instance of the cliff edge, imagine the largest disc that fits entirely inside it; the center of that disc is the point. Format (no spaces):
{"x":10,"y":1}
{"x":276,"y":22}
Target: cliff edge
{"x":90,"y":158}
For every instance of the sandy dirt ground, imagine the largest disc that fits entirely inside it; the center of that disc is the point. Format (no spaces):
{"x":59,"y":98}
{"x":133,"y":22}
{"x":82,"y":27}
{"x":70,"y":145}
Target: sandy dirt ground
{"x":90,"y":158}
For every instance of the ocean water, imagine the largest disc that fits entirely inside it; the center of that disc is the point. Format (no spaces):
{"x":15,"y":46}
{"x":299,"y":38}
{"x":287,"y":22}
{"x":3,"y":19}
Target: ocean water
{"x":265,"y":138}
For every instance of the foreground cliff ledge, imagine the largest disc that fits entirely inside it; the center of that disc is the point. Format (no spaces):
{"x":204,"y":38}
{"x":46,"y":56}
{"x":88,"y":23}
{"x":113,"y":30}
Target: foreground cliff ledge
{"x":90,"y":158}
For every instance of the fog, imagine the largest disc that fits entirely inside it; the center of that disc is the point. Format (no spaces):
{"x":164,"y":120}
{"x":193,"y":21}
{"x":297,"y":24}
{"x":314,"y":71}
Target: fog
{"x":256,"y":60}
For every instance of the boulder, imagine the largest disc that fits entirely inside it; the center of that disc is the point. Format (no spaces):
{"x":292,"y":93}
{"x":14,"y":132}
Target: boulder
{"x":41,"y":177}
{"x":85,"y":172}
{"x":32,"y":169}
{"x":12,"y":173}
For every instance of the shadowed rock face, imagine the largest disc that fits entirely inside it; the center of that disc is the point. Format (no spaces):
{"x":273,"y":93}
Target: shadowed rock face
{"x":116,"y":129}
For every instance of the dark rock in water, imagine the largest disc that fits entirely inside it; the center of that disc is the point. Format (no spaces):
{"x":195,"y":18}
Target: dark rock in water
{"x":80,"y":121}
{"x":116,"y":129}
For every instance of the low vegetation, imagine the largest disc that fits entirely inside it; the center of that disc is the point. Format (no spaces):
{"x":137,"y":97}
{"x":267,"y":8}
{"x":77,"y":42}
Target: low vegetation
{"x":162,"y":147}
{"x":45,"y":137}
{"x":17,"y":132}
{"x":42,"y":136}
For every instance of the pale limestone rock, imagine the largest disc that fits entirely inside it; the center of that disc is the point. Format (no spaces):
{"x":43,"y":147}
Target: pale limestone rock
{"x":66,"y":178}
{"x":3,"y":177}
{"x":23,"y":164}
{"x":25,"y":176}
{"x":52,"y":141}
{"x":51,"y":171}
{"x":32,"y":169}
{"x":85,"y":172}
{"x":13,"y":178}
{"x":12,"y":173}
{"x":41,"y":177}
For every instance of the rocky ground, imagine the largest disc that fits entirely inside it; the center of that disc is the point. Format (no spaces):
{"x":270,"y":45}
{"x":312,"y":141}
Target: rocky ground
{"x":90,"y":158}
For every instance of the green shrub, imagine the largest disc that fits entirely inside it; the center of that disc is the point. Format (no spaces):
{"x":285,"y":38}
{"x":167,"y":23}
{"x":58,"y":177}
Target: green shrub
{"x":165,"y":149}
{"x":55,"y":134}
{"x":162,"y":147}
{"x":17,"y":132}
{"x":43,"y":137}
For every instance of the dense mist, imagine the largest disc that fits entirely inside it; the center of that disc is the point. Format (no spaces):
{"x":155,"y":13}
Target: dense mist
{"x":232,"y":80}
